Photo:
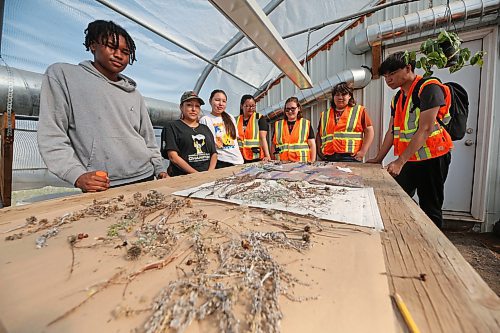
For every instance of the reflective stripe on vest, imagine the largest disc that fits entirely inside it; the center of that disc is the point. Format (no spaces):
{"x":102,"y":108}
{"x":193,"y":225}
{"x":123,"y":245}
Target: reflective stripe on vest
{"x":292,"y":146}
{"x":406,"y":125}
{"x":249,"y":138}
{"x":344,"y":136}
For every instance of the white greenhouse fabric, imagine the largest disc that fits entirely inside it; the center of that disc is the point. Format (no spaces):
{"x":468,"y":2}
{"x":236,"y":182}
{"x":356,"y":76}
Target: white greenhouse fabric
{"x":37,"y":33}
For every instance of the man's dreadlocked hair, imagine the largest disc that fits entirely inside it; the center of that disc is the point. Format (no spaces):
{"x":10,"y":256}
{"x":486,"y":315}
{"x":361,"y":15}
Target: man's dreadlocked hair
{"x":99,"y":31}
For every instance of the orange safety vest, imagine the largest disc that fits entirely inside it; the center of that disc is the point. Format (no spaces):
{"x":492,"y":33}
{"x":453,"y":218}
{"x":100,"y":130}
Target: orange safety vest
{"x":292,"y":146}
{"x":406,"y":124}
{"x":345,"y":136}
{"x":248,"y":140}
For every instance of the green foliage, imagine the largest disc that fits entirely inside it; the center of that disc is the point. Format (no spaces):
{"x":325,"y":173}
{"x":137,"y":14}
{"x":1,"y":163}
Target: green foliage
{"x":450,"y":37}
{"x":477,"y":59}
{"x":125,"y":224}
{"x":432,"y":54}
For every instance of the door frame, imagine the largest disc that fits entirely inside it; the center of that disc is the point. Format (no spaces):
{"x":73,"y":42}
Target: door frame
{"x":480,"y":188}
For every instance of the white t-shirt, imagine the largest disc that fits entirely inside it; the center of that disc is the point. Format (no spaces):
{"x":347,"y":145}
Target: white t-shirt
{"x":227,"y":148}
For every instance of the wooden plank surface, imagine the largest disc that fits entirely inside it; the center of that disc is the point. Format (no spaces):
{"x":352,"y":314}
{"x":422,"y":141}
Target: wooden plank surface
{"x":343,"y":273}
{"x":453,"y":297}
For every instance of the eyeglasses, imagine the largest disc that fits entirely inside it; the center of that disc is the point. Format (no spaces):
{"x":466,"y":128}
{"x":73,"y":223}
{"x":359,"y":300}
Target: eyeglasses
{"x":249,"y":106}
{"x":292,"y":109}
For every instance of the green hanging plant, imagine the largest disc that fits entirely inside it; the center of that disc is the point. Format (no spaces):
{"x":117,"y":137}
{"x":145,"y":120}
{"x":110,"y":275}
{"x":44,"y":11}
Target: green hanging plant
{"x":444,"y":51}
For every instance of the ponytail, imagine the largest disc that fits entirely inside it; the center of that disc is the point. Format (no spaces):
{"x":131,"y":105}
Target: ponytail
{"x":229,"y":125}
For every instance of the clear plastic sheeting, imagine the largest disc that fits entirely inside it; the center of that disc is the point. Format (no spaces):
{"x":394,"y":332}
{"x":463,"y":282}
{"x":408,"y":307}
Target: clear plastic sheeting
{"x":38,"y":33}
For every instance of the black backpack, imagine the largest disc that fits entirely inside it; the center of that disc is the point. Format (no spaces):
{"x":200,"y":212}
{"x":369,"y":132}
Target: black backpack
{"x":459,"y":108}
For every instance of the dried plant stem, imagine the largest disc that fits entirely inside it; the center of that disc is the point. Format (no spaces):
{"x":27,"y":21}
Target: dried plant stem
{"x":72,"y":260}
{"x":102,"y":286}
{"x":14,"y":229}
{"x":155,"y":265}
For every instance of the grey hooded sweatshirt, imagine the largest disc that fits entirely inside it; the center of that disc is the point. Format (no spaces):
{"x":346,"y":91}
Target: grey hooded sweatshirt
{"x":88,"y":123}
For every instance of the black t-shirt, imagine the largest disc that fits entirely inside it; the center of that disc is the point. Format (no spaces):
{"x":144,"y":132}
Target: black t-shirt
{"x":262,"y":124}
{"x":431,"y":96}
{"x":194,"y":145}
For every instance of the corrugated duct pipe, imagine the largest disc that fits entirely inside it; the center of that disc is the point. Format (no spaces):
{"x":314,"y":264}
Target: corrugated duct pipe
{"x":26,"y":96}
{"x":359,"y":77}
{"x":421,"y":20}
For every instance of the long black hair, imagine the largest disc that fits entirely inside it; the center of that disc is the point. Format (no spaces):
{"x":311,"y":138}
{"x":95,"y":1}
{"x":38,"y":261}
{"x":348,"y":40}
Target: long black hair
{"x":226,"y":118}
{"x":245,"y":98}
{"x":100,"y":32}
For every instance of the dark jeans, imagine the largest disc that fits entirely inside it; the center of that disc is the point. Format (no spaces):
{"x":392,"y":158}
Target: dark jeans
{"x":147,"y":179}
{"x":336,"y":157}
{"x":222,"y":164}
{"x":427,"y":179}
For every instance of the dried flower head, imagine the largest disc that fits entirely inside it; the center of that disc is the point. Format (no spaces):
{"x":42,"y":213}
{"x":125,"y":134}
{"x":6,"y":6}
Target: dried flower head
{"x":133,"y":253}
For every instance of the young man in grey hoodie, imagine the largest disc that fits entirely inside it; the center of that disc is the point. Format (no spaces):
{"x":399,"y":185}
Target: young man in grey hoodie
{"x":93,"y":119}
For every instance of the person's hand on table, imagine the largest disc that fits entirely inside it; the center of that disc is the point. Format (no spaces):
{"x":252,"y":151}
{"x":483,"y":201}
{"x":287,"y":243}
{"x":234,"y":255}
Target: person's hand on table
{"x":93,"y":181}
{"x":394,"y":168}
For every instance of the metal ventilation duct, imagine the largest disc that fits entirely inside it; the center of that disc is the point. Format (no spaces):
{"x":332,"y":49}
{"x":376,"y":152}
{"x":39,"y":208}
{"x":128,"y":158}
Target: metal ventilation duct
{"x":419,"y":21}
{"x":26,"y":97}
{"x":253,"y":22}
{"x":358,"y":77}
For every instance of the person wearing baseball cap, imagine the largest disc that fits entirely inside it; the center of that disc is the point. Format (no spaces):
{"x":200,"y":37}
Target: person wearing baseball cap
{"x":189,"y":145}
{"x":190,"y":95}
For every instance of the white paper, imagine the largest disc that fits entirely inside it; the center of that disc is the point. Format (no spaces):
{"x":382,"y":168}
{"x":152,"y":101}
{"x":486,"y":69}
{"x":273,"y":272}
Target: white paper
{"x":349,"y":205}
{"x":344,"y":169}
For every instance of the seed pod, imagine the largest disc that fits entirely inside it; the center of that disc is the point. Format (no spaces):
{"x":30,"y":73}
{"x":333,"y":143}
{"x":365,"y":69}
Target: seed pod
{"x":245,"y":244}
{"x":82,"y":235}
{"x":133,"y":253}
{"x":72,"y":239}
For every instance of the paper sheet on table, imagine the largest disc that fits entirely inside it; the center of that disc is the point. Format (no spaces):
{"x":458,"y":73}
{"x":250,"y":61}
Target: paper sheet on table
{"x":349,"y":205}
{"x":316,"y":173}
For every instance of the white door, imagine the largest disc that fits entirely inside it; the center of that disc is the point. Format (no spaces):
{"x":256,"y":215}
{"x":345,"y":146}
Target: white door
{"x":459,"y":184}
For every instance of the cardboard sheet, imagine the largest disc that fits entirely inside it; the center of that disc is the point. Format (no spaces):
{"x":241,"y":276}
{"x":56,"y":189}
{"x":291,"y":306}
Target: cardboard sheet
{"x":343,"y":279}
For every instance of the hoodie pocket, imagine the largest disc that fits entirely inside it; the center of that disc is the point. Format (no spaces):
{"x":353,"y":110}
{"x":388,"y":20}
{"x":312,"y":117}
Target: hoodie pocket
{"x":123,"y":157}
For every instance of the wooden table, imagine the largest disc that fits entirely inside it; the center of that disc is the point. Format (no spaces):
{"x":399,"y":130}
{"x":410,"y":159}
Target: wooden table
{"x":441,"y":290}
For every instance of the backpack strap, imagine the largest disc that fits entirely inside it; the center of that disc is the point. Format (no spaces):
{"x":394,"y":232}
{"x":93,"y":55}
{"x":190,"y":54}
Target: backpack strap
{"x":416,"y":99}
{"x":415,"y":93}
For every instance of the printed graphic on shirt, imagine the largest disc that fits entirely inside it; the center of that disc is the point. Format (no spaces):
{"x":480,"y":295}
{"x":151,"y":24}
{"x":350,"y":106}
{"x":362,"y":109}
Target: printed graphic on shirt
{"x":198,"y":143}
{"x":222,"y":139}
